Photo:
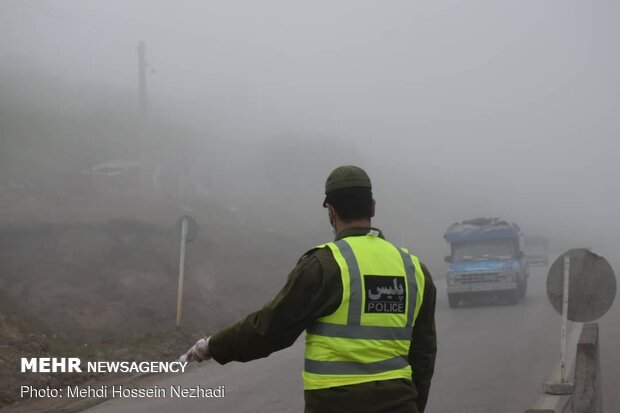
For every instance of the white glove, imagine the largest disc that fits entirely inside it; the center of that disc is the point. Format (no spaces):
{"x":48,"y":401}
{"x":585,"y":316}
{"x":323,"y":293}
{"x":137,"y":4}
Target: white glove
{"x":198,"y":352}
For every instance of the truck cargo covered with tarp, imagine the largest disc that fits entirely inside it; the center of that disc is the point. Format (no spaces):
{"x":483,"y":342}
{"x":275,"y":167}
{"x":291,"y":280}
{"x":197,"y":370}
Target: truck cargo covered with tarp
{"x":481,"y":228}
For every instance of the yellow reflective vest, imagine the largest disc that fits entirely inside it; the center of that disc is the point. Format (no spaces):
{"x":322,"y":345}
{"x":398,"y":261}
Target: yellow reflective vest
{"x":368,"y":337}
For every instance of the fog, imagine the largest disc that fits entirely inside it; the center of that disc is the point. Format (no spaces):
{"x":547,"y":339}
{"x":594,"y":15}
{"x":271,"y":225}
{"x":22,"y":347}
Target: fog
{"x":455,"y":109}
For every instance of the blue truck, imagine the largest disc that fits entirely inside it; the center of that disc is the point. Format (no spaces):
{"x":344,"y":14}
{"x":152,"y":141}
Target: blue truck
{"x":486,"y":259}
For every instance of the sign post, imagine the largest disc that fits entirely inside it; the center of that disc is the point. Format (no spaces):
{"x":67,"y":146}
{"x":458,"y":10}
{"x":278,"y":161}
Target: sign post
{"x":581,"y":287}
{"x":564,"y":320}
{"x":188,"y":230}
{"x":181,"y":272}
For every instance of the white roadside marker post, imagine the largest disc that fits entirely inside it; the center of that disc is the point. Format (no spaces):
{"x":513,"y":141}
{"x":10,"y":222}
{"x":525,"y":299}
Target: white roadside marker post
{"x":181,"y":272}
{"x":563,"y":386}
{"x":563,"y":349}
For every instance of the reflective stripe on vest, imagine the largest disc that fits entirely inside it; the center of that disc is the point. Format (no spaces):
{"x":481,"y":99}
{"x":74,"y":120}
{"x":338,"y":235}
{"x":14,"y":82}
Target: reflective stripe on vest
{"x":340,"y":352}
{"x":348,"y":367}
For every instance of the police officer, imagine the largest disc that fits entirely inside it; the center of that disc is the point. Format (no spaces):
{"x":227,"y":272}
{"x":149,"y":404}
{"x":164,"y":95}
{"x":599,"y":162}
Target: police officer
{"x":368,"y":309}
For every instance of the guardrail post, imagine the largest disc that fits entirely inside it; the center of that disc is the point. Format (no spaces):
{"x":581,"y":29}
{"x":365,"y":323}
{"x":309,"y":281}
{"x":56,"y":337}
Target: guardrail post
{"x":587,"y":397}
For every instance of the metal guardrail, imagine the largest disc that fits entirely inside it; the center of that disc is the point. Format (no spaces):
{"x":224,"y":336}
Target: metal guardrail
{"x":586,"y":396}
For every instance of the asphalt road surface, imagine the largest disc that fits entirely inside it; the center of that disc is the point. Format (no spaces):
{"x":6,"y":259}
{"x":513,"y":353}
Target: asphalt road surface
{"x":492,"y":357}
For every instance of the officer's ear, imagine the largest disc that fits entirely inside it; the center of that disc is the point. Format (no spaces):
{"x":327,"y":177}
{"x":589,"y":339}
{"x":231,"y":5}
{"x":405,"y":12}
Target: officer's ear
{"x":331,"y":212}
{"x":372,"y":210}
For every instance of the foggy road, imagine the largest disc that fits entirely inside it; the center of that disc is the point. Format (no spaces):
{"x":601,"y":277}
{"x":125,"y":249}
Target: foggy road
{"x":492,"y":357}
{"x":117,"y":118}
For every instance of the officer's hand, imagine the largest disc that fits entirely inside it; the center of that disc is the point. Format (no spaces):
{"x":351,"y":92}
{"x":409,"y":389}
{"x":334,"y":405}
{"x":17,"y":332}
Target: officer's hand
{"x":200,"y":351}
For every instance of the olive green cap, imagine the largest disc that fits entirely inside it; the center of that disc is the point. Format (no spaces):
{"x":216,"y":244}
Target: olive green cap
{"x":347,"y":176}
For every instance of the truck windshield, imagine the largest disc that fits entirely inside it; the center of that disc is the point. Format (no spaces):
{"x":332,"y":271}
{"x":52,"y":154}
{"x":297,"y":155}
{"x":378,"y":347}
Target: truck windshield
{"x":498,"y":249}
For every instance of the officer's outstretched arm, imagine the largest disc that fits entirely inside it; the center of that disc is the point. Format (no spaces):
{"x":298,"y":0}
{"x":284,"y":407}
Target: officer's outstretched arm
{"x":306,"y":296}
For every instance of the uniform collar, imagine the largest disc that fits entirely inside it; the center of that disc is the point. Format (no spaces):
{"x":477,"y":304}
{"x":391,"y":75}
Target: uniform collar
{"x":357,"y":231}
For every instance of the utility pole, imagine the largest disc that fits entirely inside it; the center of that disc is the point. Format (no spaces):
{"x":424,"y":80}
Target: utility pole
{"x":143,"y":116}
{"x":142,"y":72}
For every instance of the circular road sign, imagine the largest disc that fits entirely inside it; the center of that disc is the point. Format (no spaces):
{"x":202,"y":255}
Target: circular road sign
{"x":591,"y":288}
{"x":192,"y":228}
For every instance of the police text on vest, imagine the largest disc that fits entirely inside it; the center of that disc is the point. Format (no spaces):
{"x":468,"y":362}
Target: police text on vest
{"x":385,"y":294}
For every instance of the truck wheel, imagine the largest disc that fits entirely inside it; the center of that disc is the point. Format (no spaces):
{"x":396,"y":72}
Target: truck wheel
{"x":523,"y":289}
{"x":513,"y":296}
{"x":453,"y":300}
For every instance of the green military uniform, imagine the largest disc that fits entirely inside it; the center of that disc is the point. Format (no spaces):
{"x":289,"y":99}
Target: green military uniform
{"x":314,"y":289}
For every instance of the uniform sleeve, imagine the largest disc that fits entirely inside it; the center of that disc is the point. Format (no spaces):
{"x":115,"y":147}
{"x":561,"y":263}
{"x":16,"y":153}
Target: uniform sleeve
{"x":424,"y":343}
{"x":311,"y":291}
